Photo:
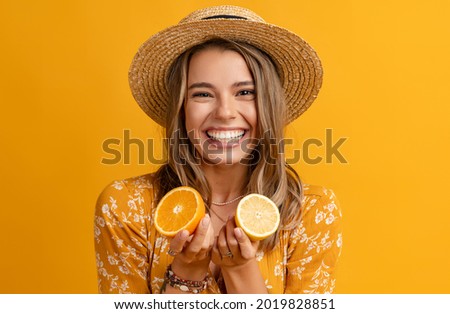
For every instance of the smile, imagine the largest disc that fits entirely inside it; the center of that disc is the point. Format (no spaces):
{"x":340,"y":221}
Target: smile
{"x":221,"y":135}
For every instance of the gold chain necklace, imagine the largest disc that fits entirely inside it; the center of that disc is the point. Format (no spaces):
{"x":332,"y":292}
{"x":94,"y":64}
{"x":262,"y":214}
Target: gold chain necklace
{"x":229,"y":202}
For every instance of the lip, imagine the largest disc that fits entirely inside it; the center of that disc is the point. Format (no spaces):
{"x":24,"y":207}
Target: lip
{"x":225,"y":129}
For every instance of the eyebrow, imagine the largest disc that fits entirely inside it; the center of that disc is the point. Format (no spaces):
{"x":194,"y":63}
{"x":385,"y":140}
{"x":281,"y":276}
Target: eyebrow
{"x":244,"y":83}
{"x":200,"y":84}
{"x":209,"y":85}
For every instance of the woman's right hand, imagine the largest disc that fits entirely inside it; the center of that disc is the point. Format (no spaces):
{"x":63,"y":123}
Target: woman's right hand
{"x":193,"y":253}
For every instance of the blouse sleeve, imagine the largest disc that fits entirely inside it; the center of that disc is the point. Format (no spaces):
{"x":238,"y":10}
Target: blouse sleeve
{"x":120,"y":241}
{"x":315,"y":245}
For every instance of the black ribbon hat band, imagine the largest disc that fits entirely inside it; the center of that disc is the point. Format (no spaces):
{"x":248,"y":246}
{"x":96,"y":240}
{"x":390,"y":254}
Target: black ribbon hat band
{"x":235,"y":17}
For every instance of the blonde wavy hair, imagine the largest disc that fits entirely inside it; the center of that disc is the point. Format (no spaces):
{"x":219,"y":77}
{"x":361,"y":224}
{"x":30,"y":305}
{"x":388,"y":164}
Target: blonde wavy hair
{"x":268,"y":172}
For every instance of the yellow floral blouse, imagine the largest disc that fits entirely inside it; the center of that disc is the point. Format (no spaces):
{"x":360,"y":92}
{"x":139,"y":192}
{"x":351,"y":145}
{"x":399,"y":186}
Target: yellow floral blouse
{"x":132,"y":256}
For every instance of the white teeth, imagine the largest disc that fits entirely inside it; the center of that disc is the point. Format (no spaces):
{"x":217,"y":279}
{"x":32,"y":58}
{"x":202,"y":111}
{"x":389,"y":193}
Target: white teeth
{"x":225,"y":135}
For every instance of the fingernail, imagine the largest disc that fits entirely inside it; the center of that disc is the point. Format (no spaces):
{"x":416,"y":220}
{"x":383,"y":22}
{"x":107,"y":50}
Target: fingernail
{"x":205,"y":221}
{"x":184,"y":234}
{"x":238,"y":232}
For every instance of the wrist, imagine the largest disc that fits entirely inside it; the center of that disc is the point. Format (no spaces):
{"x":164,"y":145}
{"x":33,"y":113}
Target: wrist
{"x":241,"y":268}
{"x":183,"y":285}
{"x":189,"y":271}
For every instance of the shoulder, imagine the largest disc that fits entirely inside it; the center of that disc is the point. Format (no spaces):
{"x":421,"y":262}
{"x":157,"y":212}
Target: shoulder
{"x":137,"y":183}
{"x":313,"y":194}
{"x":320,"y":206}
{"x":129,"y":186}
{"x":126,"y":194}
{"x":310,"y":190}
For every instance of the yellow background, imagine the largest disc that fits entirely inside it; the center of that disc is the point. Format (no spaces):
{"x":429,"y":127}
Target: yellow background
{"x":64,"y":90}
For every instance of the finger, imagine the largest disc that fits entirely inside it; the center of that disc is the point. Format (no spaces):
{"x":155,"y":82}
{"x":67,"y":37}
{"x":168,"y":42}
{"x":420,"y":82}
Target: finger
{"x":216,"y":257}
{"x":208,"y":243}
{"x":210,"y":236}
{"x":199,"y":236}
{"x":245,"y":245}
{"x":178,"y":242}
{"x":189,"y":239}
{"x":222,"y":243}
{"x":231,"y":238}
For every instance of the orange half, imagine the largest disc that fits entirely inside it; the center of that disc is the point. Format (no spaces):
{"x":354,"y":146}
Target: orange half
{"x":181,"y":208}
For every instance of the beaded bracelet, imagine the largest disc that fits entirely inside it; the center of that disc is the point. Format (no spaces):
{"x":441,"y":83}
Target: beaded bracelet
{"x":184,"y":285}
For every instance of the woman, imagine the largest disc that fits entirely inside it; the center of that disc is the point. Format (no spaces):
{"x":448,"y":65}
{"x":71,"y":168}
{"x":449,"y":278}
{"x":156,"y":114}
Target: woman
{"x":224,"y":84}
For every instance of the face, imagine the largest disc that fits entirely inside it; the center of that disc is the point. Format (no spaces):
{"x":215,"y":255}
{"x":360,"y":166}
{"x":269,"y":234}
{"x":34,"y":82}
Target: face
{"x":220,"y":108}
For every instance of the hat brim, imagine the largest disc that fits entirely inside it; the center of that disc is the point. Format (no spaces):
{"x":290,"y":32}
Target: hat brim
{"x":297,"y":62}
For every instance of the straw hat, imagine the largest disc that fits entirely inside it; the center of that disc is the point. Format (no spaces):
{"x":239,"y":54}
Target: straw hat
{"x":297,"y":63}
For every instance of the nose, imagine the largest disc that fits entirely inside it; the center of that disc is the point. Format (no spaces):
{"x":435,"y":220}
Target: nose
{"x":225,"y":109}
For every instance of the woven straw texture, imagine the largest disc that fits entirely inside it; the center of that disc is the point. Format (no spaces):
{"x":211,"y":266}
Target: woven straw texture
{"x":298,"y":64}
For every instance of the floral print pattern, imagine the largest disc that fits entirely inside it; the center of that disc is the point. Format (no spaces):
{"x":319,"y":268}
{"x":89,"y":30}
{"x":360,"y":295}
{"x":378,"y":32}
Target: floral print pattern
{"x":132,"y":256}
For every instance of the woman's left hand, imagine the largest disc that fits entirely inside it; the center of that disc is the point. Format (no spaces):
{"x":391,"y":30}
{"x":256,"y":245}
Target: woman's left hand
{"x":233,"y":247}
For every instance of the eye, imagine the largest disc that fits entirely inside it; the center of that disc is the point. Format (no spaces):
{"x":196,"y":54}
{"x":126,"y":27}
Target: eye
{"x":246,"y":92}
{"x":201,"y":95}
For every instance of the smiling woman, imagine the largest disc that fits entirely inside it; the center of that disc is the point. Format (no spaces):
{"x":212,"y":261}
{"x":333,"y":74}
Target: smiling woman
{"x":224,"y":89}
